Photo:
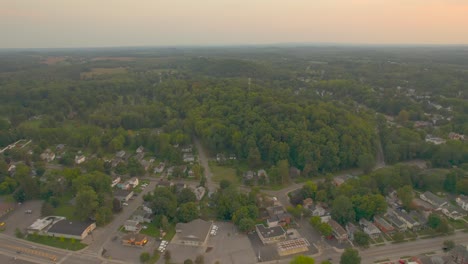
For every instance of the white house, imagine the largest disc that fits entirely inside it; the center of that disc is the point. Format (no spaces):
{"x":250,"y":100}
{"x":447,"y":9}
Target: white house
{"x":80,"y":159}
{"x":462,"y":201}
{"x":199,"y":192}
{"x":133,"y":182}
{"x":115,"y":181}
{"x":132,"y":226}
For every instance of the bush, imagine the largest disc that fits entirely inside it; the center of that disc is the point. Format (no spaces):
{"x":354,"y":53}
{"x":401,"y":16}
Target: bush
{"x":144,"y":257}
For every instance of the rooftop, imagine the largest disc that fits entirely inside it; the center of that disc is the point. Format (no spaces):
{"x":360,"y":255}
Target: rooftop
{"x":75,"y":228}
{"x":197,"y":229}
{"x":434,"y":198}
{"x":269,"y":232}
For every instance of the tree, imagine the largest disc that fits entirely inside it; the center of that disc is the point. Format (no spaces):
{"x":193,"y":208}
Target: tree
{"x":362,"y":239}
{"x":188,"y":261}
{"x":103,"y":215}
{"x":47,"y":209}
{"x":448,"y":245}
{"x":450,"y":182}
{"x":406,"y":196}
{"x":301,"y":259}
{"x":144,"y":257}
{"x":86,"y":203}
{"x":254,"y":158}
{"x":366,"y":162}
{"x":186,"y":195}
{"x":188,"y":212}
{"x":283,"y":171}
{"x":342,"y":210}
{"x":246,"y":224}
{"x":200,"y":259}
{"x":438,"y":223}
{"x":167,"y":256}
{"x":223,"y":184}
{"x":350,"y":256}
{"x":18,"y":233}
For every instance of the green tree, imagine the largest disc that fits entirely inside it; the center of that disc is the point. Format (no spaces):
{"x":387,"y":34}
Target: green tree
{"x":103,"y":215}
{"x":86,"y":203}
{"x":361,"y":239}
{"x":450,"y":182}
{"x":406,"y":195}
{"x":144,"y":257}
{"x":186,"y":195}
{"x":366,"y":162}
{"x":246,"y":224}
{"x":350,"y":256}
{"x":47,"y":209}
{"x":188,"y":212}
{"x":342,"y":210}
{"x":188,"y":261}
{"x":200,"y":259}
{"x":223,"y":184}
{"x":301,"y":259}
{"x":283,"y":171}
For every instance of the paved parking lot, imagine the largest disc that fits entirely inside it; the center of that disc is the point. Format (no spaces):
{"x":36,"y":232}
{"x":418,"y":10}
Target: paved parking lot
{"x":129,"y":254}
{"x":19,"y":219}
{"x":227,"y":246}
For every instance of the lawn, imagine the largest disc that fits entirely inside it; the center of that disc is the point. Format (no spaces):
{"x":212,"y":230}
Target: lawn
{"x":65,"y":208}
{"x":64,"y":243}
{"x":224,"y":173}
{"x":152,"y":230}
{"x":458,"y":224}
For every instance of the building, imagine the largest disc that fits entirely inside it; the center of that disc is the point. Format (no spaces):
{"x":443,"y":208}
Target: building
{"x":188,"y":157}
{"x":338,"y":231}
{"x":71,"y":229}
{"x":270,"y":235}
{"x":383,"y":225}
{"x":249,"y":175}
{"x":134,"y":240}
{"x":317,"y":210}
{"x":134,"y":182}
{"x":147,"y":207}
{"x":294,"y":172}
{"x":80,"y":159}
{"x":369,"y":228}
{"x":407,"y":219}
{"x":453,"y":212}
{"x":120,"y":154}
{"x":199,"y":192}
{"x":140,"y":149}
{"x":433,"y":199}
{"x":132,"y":226}
{"x":142,"y":216}
{"x":462,"y":201}
{"x":194,"y":233}
{"x":396,"y":222}
{"x":281,"y":219}
{"x":123,"y":195}
{"x":47,"y":155}
{"x":186,"y":149}
{"x":124,"y":185}
{"x":159,"y":168}
{"x":115,"y":181}
{"x":164,"y":183}
{"x":294,"y":246}
{"x":40,"y":226}
{"x":351,"y":229}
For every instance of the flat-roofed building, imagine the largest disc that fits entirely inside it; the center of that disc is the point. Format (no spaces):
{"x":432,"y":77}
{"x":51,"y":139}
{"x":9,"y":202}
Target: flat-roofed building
{"x":294,"y":246}
{"x":270,"y":235}
{"x":71,"y":229}
{"x":194,"y":233}
{"x":338,"y":231}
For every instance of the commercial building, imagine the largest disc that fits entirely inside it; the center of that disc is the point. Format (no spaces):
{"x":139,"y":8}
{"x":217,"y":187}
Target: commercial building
{"x":270,"y":235}
{"x":194,"y":233}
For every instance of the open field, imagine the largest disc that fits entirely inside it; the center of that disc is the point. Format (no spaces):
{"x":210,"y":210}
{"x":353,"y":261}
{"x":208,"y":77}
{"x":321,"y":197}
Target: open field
{"x":223,"y":173}
{"x":64,"y":243}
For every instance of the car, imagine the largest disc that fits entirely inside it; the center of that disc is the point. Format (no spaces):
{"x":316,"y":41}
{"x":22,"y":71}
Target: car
{"x":125,"y":204}
{"x":144,"y":227}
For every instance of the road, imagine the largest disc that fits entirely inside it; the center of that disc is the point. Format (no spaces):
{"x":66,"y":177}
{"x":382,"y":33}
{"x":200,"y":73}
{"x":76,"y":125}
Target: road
{"x":203,"y":159}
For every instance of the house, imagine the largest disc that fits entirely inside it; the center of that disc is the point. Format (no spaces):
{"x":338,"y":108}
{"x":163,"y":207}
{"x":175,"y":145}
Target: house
{"x":120,"y":154}
{"x":134,"y":240}
{"x":308,"y":202}
{"x":459,"y":254}
{"x":199,"y":192}
{"x":140,"y":149}
{"x":180,"y":186}
{"x":383,"y":225}
{"x":456,"y":136}
{"x":407,"y":219}
{"x":132,"y":226}
{"x":115,"y":181}
{"x":188,"y":157}
{"x":146,"y":164}
{"x":435,"y":140}
{"x":187,"y":149}
{"x":232,"y":156}
{"x":430,"y":260}
{"x":351,"y":229}
{"x":338,"y":231}
{"x":147,"y":207}
{"x":396,"y":222}
{"x":249,"y":175}
{"x":281,"y":219}
{"x":133,"y":182}
{"x":462,"y":201}
{"x":338,"y":181}
{"x":433,"y":199}
{"x":194,"y":233}
{"x":262,"y":173}
{"x":270,"y":235}
{"x":47,"y":155}
{"x":453,"y":212}
{"x":80,"y":159}
{"x":220,"y":157}
{"x":71,"y":229}
{"x":123,"y":195}
{"x":170,"y":171}
{"x":159,"y":168}
{"x":317,"y":210}
{"x":369,"y":228}
{"x":142,"y":216}
{"x":60,"y":147}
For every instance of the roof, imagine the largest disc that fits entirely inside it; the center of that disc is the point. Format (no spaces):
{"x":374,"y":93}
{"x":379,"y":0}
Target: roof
{"x":337,"y":228}
{"x":293,"y":244}
{"x":463,"y":198}
{"x":371,"y":228}
{"x":460,"y":251}
{"x":382,"y":222}
{"x":269,"y":232}
{"x":197,"y":229}
{"x":75,"y":228}
{"x":394,"y":220}
{"x":434,"y":198}
{"x":131,"y":223}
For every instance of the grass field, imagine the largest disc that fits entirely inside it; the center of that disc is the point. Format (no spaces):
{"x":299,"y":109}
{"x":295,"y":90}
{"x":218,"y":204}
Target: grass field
{"x":64,"y":243}
{"x":224,"y":173}
{"x":65,"y":208}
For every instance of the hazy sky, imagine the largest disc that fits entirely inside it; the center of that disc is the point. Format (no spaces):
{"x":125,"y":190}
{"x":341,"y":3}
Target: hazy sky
{"x":92,"y":23}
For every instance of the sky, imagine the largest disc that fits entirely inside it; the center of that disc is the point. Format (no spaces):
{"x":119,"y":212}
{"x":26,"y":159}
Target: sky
{"x":103,"y":23}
